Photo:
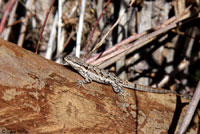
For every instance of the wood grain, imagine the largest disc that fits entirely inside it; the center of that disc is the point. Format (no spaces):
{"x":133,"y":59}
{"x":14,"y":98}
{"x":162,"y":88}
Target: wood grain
{"x":40,"y":96}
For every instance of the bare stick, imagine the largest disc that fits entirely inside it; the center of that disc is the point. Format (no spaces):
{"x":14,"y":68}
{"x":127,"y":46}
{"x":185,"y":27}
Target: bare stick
{"x":45,"y":21}
{"x":97,"y":22}
{"x":190,"y":111}
{"x":110,"y":30}
{"x":5,"y":16}
{"x":28,"y":5}
{"x":80,"y":28}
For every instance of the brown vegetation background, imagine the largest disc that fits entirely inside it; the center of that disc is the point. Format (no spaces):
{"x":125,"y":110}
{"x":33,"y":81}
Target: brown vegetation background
{"x":154,"y":43}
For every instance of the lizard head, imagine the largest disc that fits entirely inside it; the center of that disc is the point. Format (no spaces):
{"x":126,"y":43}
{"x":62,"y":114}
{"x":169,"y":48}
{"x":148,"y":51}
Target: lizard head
{"x":74,"y":61}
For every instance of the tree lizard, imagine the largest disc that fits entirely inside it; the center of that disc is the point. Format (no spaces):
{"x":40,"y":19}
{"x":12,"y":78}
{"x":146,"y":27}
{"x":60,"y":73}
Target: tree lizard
{"x":92,"y":73}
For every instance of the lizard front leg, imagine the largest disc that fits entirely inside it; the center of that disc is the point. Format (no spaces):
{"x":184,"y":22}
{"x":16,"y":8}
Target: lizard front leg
{"x":87,"y":79}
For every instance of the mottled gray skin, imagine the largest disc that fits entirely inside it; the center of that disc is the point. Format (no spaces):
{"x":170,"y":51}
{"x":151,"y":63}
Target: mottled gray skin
{"x":91,"y":73}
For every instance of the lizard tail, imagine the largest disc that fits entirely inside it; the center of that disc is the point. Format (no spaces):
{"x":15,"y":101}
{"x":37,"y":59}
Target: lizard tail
{"x":147,"y":88}
{"x":152,"y":89}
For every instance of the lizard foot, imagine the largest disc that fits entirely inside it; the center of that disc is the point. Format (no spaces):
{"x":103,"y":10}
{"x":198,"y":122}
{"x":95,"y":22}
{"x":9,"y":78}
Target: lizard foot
{"x":80,"y":83}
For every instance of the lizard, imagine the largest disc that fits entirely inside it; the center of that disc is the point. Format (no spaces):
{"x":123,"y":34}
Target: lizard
{"x":92,"y":73}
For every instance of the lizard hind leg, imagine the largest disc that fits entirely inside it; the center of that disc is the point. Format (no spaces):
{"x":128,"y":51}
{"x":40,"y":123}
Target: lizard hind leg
{"x":117,"y":88}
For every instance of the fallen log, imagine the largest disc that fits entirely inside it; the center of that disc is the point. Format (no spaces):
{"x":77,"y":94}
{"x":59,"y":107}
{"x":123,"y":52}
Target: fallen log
{"x":40,"y":96}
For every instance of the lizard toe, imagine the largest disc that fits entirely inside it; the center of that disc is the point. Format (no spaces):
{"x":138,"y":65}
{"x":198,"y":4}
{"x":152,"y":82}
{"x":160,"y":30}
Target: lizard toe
{"x":80,"y":83}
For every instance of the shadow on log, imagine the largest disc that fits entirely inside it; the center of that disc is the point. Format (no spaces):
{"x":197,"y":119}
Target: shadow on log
{"x":40,"y":96}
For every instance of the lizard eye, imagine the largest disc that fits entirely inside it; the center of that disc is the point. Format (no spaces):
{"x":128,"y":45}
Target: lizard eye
{"x":87,"y":67}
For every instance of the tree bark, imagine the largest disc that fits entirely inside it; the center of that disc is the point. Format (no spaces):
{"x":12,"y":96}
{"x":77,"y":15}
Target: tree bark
{"x":40,"y":96}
